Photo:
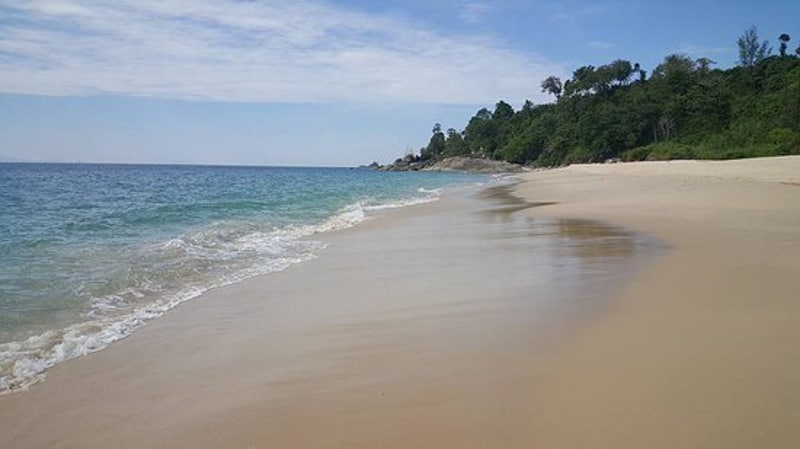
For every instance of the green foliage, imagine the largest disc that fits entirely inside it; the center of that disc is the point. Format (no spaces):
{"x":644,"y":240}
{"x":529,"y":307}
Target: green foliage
{"x":686,"y":110}
{"x":636,"y":154}
{"x":436,"y":145}
{"x":784,"y":38}
{"x":454,"y":144}
{"x":662,"y":151}
{"x":785,"y":140}
{"x":552,"y":85}
{"x":502,"y":111}
{"x":751,"y":51}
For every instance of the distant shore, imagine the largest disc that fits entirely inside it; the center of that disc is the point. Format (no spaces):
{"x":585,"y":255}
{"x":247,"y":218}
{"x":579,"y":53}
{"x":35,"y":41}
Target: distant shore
{"x":453,"y":163}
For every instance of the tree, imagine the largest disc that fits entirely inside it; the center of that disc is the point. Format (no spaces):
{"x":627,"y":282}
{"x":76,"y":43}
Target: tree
{"x":603,"y":78}
{"x":704,"y":64}
{"x":583,"y":79}
{"x":751,"y":52}
{"x":480,"y":133}
{"x":784,"y":38}
{"x":483,"y":114}
{"x":675,"y":66}
{"x":502,"y":111}
{"x":435,"y":145}
{"x":552,"y":85}
{"x":688,"y":108}
{"x":642,"y":73}
{"x":454,"y":144}
{"x":528,"y":106}
{"x":621,"y":71}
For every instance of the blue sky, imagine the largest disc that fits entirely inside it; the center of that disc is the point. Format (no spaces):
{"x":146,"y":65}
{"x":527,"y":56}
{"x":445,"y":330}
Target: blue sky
{"x":310,"y":82}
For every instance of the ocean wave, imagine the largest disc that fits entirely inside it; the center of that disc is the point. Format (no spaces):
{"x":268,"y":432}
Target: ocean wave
{"x":242,"y":248}
{"x":432,"y":196}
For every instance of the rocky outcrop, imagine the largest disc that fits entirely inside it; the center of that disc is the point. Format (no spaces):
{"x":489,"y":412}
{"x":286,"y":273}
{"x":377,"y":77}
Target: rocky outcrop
{"x":456,"y":163}
{"x":373,"y":166}
{"x":474,"y":165}
{"x":403,"y":165}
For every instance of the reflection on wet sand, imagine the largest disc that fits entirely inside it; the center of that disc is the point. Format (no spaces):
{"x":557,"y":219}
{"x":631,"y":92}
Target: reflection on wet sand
{"x":571,"y":238}
{"x":509,"y":203}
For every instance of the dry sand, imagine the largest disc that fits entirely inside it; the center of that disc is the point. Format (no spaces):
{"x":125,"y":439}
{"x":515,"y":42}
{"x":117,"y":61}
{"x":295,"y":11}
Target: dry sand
{"x":702,"y":350}
{"x":463,"y":325}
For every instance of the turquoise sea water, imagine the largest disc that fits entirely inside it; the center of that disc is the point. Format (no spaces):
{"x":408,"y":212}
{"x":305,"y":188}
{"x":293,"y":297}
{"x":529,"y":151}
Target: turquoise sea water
{"x":88,"y":253}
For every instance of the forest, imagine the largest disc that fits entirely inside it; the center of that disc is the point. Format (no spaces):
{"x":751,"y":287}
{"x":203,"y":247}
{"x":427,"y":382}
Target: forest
{"x":684,"y":109}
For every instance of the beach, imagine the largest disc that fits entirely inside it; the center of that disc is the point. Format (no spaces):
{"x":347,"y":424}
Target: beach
{"x":700,"y":349}
{"x":647,"y":304}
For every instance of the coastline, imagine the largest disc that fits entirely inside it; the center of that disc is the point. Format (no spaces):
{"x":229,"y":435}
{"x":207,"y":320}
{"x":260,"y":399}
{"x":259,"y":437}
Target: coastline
{"x":527,"y":323}
{"x":411,"y":329}
{"x":107,"y":262}
{"x":700,"y":349}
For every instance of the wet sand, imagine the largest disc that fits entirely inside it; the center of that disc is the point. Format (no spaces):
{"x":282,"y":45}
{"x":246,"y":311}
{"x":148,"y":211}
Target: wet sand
{"x":422,"y":328}
{"x":701,"y":349}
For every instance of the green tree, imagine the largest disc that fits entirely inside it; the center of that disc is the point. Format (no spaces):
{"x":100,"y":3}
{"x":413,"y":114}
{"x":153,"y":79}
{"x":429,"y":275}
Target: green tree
{"x":639,"y":71}
{"x":704,"y":64}
{"x":502,"y":111}
{"x":751,"y":51}
{"x":481,"y":133}
{"x":528,"y":106}
{"x":602,"y":79}
{"x":582,"y":82}
{"x":621,"y":71}
{"x":674,"y":66}
{"x":552,"y":85}
{"x":454,"y":144}
{"x":784,"y":38}
{"x":686,"y":109}
{"x":435,"y":146}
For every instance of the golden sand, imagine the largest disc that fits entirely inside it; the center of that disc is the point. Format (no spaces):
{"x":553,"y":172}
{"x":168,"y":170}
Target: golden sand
{"x":700,"y":350}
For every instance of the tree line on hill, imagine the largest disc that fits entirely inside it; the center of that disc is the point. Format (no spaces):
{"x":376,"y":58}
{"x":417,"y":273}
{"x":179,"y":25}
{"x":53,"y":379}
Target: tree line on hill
{"x":685,"y":109}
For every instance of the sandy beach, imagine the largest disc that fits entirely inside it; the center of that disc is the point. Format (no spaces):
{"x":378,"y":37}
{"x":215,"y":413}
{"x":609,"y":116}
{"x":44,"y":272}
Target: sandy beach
{"x":607,"y":306}
{"x":700,"y":350}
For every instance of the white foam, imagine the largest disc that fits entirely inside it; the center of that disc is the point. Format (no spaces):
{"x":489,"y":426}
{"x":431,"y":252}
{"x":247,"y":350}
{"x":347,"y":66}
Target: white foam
{"x":429,"y":191}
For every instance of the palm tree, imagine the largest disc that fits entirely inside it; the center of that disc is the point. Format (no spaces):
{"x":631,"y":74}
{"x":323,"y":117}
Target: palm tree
{"x":784,"y":38}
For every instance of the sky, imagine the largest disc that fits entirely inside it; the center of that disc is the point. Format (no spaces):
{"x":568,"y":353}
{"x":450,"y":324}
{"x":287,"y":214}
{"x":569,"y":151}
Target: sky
{"x":315,"y":83}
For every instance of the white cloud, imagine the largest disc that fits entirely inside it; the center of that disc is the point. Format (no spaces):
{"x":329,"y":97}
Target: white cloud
{"x":252,"y":51}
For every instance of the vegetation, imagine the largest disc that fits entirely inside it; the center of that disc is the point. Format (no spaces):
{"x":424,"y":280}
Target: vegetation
{"x":687,"y":108}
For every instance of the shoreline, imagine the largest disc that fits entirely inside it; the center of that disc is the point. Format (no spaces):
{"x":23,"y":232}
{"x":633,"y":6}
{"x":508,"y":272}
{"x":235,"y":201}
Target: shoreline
{"x":699,"y":350}
{"x":398,"y":325}
{"x":33,"y":354}
{"x":403,"y":337}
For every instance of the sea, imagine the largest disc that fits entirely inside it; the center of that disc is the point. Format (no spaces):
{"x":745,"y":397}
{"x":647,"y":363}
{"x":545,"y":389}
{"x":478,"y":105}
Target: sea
{"x":91,"y":252}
